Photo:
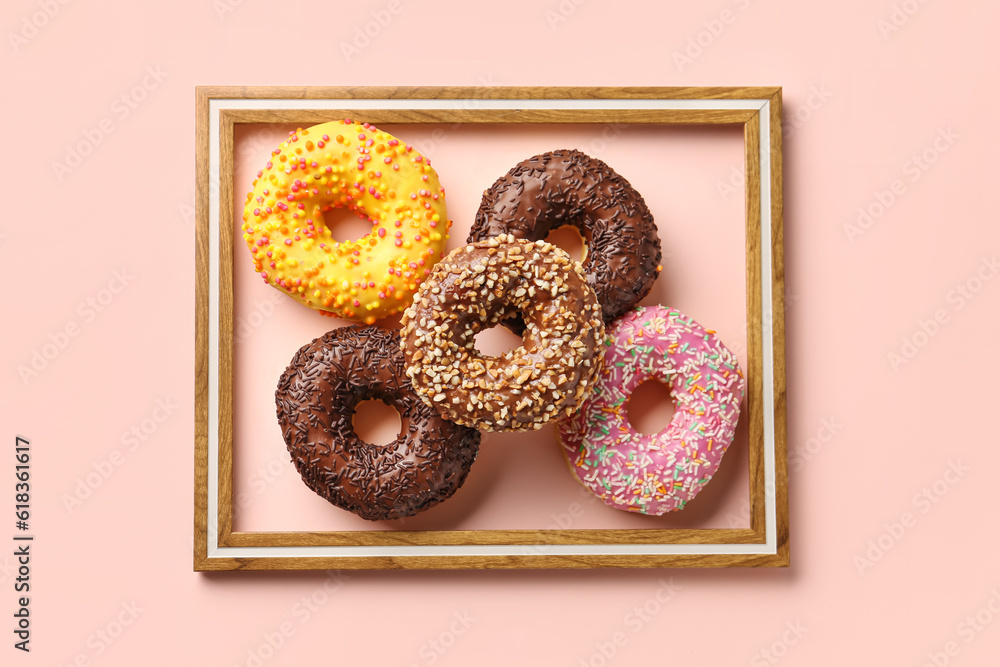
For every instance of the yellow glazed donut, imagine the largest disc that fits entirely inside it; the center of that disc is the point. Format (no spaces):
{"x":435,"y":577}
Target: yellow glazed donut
{"x":344,"y":164}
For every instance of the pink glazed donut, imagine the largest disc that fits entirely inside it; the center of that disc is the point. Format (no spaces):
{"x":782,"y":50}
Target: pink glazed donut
{"x":660,"y":473}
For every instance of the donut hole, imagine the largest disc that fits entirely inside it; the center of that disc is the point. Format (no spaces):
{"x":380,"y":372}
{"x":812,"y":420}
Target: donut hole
{"x":569,"y":238}
{"x":497,"y":341}
{"x":649,"y":409}
{"x":377,"y":423}
{"x":345,"y":226}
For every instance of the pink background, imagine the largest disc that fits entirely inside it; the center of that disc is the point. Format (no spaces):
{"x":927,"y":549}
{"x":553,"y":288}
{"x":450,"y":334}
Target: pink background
{"x":891,"y":333}
{"x":520,"y":479}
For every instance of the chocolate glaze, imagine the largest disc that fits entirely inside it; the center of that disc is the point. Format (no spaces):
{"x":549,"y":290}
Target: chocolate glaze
{"x":472,"y":289}
{"x":567,"y":187}
{"x":316,"y":399}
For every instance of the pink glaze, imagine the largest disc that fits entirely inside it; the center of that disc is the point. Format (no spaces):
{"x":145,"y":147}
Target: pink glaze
{"x":660,"y":473}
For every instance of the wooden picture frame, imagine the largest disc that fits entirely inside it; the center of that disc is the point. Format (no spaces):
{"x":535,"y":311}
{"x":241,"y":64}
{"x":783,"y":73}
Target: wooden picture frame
{"x":218,"y":547}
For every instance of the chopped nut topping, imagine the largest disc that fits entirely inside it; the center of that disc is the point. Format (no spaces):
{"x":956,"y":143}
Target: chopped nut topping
{"x":524,"y":388}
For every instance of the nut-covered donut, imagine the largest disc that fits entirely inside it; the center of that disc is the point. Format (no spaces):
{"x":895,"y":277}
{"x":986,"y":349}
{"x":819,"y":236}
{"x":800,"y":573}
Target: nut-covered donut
{"x":316,"y":399}
{"x":658,"y":473}
{"x":345,"y":164}
{"x":566,"y":187}
{"x":472,"y":289}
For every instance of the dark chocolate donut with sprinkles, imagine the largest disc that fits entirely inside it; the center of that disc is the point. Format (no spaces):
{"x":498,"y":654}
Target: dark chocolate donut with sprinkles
{"x":566,"y":187}
{"x":316,"y":399}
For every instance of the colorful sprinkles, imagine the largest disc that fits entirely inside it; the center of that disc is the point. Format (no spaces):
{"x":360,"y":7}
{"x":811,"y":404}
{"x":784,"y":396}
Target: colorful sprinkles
{"x":330,"y":166}
{"x":660,"y":473}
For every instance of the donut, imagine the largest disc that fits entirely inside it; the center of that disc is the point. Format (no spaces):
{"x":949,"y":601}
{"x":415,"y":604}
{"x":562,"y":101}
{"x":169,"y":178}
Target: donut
{"x":316,"y":399}
{"x":472,"y":289}
{"x":655,"y":474}
{"x":346,"y":164}
{"x":566,"y":187}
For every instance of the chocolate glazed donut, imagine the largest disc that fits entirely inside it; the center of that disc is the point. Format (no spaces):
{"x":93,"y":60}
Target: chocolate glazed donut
{"x":473,"y":288}
{"x":567,"y":187}
{"x":316,"y":399}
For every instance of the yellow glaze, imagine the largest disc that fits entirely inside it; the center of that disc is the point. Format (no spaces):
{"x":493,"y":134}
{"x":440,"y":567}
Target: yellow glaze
{"x":357,"y":166}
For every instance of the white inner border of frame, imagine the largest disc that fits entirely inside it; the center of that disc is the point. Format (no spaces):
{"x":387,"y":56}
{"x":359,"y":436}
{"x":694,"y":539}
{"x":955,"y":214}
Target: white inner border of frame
{"x":767,"y":311}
